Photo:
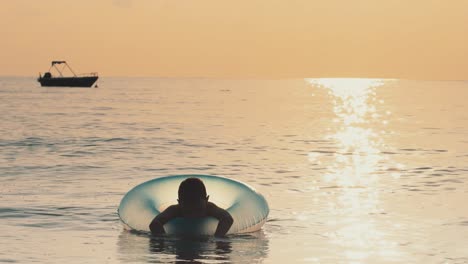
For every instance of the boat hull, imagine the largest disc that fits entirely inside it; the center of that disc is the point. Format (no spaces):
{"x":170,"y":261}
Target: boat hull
{"x":68,"y":81}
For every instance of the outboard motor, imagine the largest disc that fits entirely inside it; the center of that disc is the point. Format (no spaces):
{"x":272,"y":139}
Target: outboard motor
{"x":47,"y":75}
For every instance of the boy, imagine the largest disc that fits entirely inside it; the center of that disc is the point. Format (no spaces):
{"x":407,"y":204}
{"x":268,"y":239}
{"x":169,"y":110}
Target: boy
{"x":192,"y":202}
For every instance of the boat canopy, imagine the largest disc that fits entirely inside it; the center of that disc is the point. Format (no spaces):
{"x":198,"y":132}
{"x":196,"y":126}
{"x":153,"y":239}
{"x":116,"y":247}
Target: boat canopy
{"x":58,"y":62}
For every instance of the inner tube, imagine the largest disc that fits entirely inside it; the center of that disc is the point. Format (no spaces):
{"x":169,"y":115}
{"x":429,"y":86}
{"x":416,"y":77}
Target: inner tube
{"x":140,"y":205}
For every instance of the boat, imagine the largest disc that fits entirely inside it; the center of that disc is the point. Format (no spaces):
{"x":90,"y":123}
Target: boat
{"x":82,"y":80}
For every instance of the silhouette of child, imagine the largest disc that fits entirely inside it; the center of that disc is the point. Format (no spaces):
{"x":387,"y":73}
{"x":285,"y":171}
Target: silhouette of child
{"x":192,"y":202}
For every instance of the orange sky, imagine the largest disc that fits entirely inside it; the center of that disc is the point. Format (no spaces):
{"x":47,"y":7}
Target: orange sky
{"x":417,"y":39}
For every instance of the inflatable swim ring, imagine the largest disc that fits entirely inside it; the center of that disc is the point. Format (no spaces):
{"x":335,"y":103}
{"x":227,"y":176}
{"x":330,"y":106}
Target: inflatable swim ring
{"x":248,"y":208}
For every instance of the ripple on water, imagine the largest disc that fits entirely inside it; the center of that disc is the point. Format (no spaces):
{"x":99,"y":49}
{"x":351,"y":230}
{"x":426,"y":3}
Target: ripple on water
{"x":433,"y":180}
{"x":137,"y":247}
{"x":26,"y":142}
{"x":420,"y":150}
{"x":58,"y":217}
{"x":48,"y":142}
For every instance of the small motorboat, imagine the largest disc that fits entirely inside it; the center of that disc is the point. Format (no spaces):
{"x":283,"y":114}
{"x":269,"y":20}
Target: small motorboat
{"x":82,"y":80}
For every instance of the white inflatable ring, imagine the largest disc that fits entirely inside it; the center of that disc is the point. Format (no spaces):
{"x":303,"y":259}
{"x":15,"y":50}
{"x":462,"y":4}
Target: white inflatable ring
{"x":140,"y":205}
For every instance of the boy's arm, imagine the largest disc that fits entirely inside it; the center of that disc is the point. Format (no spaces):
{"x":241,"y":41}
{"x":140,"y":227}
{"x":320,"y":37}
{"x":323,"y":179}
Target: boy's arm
{"x":157,"y":225}
{"x":224,"y":218}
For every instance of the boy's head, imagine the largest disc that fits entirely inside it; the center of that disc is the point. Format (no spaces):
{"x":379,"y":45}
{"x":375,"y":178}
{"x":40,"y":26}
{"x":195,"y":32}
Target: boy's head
{"x":192,"y":197}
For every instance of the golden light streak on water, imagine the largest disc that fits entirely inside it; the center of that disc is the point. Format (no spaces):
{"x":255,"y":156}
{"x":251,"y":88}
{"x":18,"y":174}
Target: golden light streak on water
{"x":354,"y":171}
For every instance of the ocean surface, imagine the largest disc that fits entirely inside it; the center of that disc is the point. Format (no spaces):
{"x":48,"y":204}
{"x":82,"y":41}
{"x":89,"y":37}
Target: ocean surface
{"x":354,"y":170}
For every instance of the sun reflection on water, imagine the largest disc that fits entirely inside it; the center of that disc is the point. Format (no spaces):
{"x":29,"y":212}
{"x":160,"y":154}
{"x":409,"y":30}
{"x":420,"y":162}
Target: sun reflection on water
{"x":354,"y":171}
{"x":357,"y":141}
{"x":350,"y":98}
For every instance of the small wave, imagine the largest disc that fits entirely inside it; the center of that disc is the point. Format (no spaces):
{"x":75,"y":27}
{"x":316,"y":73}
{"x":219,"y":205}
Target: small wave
{"x":51,"y":217}
{"x":343,"y":187}
{"x":115,"y":139}
{"x":323,"y":151}
{"x":293,"y":176}
{"x":25,"y":212}
{"x":410,"y":149}
{"x":461,"y":223}
{"x":2,"y":260}
{"x":296,"y":190}
{"x":423,"y":168}
{"x":45,"y":167}
{"x":92,"y":140}
{"x":27,"y":142}
{"x":283,"y":171}
{"x":77,"y":154}
{"x":152,"y":129}
{"x":155,"y":169}
{"x":102,"y":108}
{"x":194,"y":168}
{"x":440,"y":150}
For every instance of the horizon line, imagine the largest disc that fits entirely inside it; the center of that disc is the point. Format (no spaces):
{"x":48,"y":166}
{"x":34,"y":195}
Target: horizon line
{"x":249,"y":78}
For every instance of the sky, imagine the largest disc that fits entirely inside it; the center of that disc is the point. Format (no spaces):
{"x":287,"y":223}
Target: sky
{"x":413,"y":39}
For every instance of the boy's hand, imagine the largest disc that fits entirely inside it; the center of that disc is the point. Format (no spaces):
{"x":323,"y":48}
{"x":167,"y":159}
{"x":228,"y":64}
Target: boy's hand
{"x":157,"y":225}
{"x":225,"y":219}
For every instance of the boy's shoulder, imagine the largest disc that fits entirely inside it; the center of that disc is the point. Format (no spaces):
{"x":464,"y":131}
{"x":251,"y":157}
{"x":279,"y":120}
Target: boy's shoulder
{"x":210,"y":204}
{"x":215,"y":211}
{"x":213,"y":206}
{"x":172,"y":211}
{"x":173,"y":208}
{"x":169,"y":213}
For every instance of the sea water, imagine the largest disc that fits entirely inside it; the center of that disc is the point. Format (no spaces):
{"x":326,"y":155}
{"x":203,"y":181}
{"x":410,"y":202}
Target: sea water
{"x":354,"y":170}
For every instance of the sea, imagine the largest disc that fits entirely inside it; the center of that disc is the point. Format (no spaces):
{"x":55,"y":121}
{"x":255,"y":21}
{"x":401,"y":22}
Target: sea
{"x":354,"y":170}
